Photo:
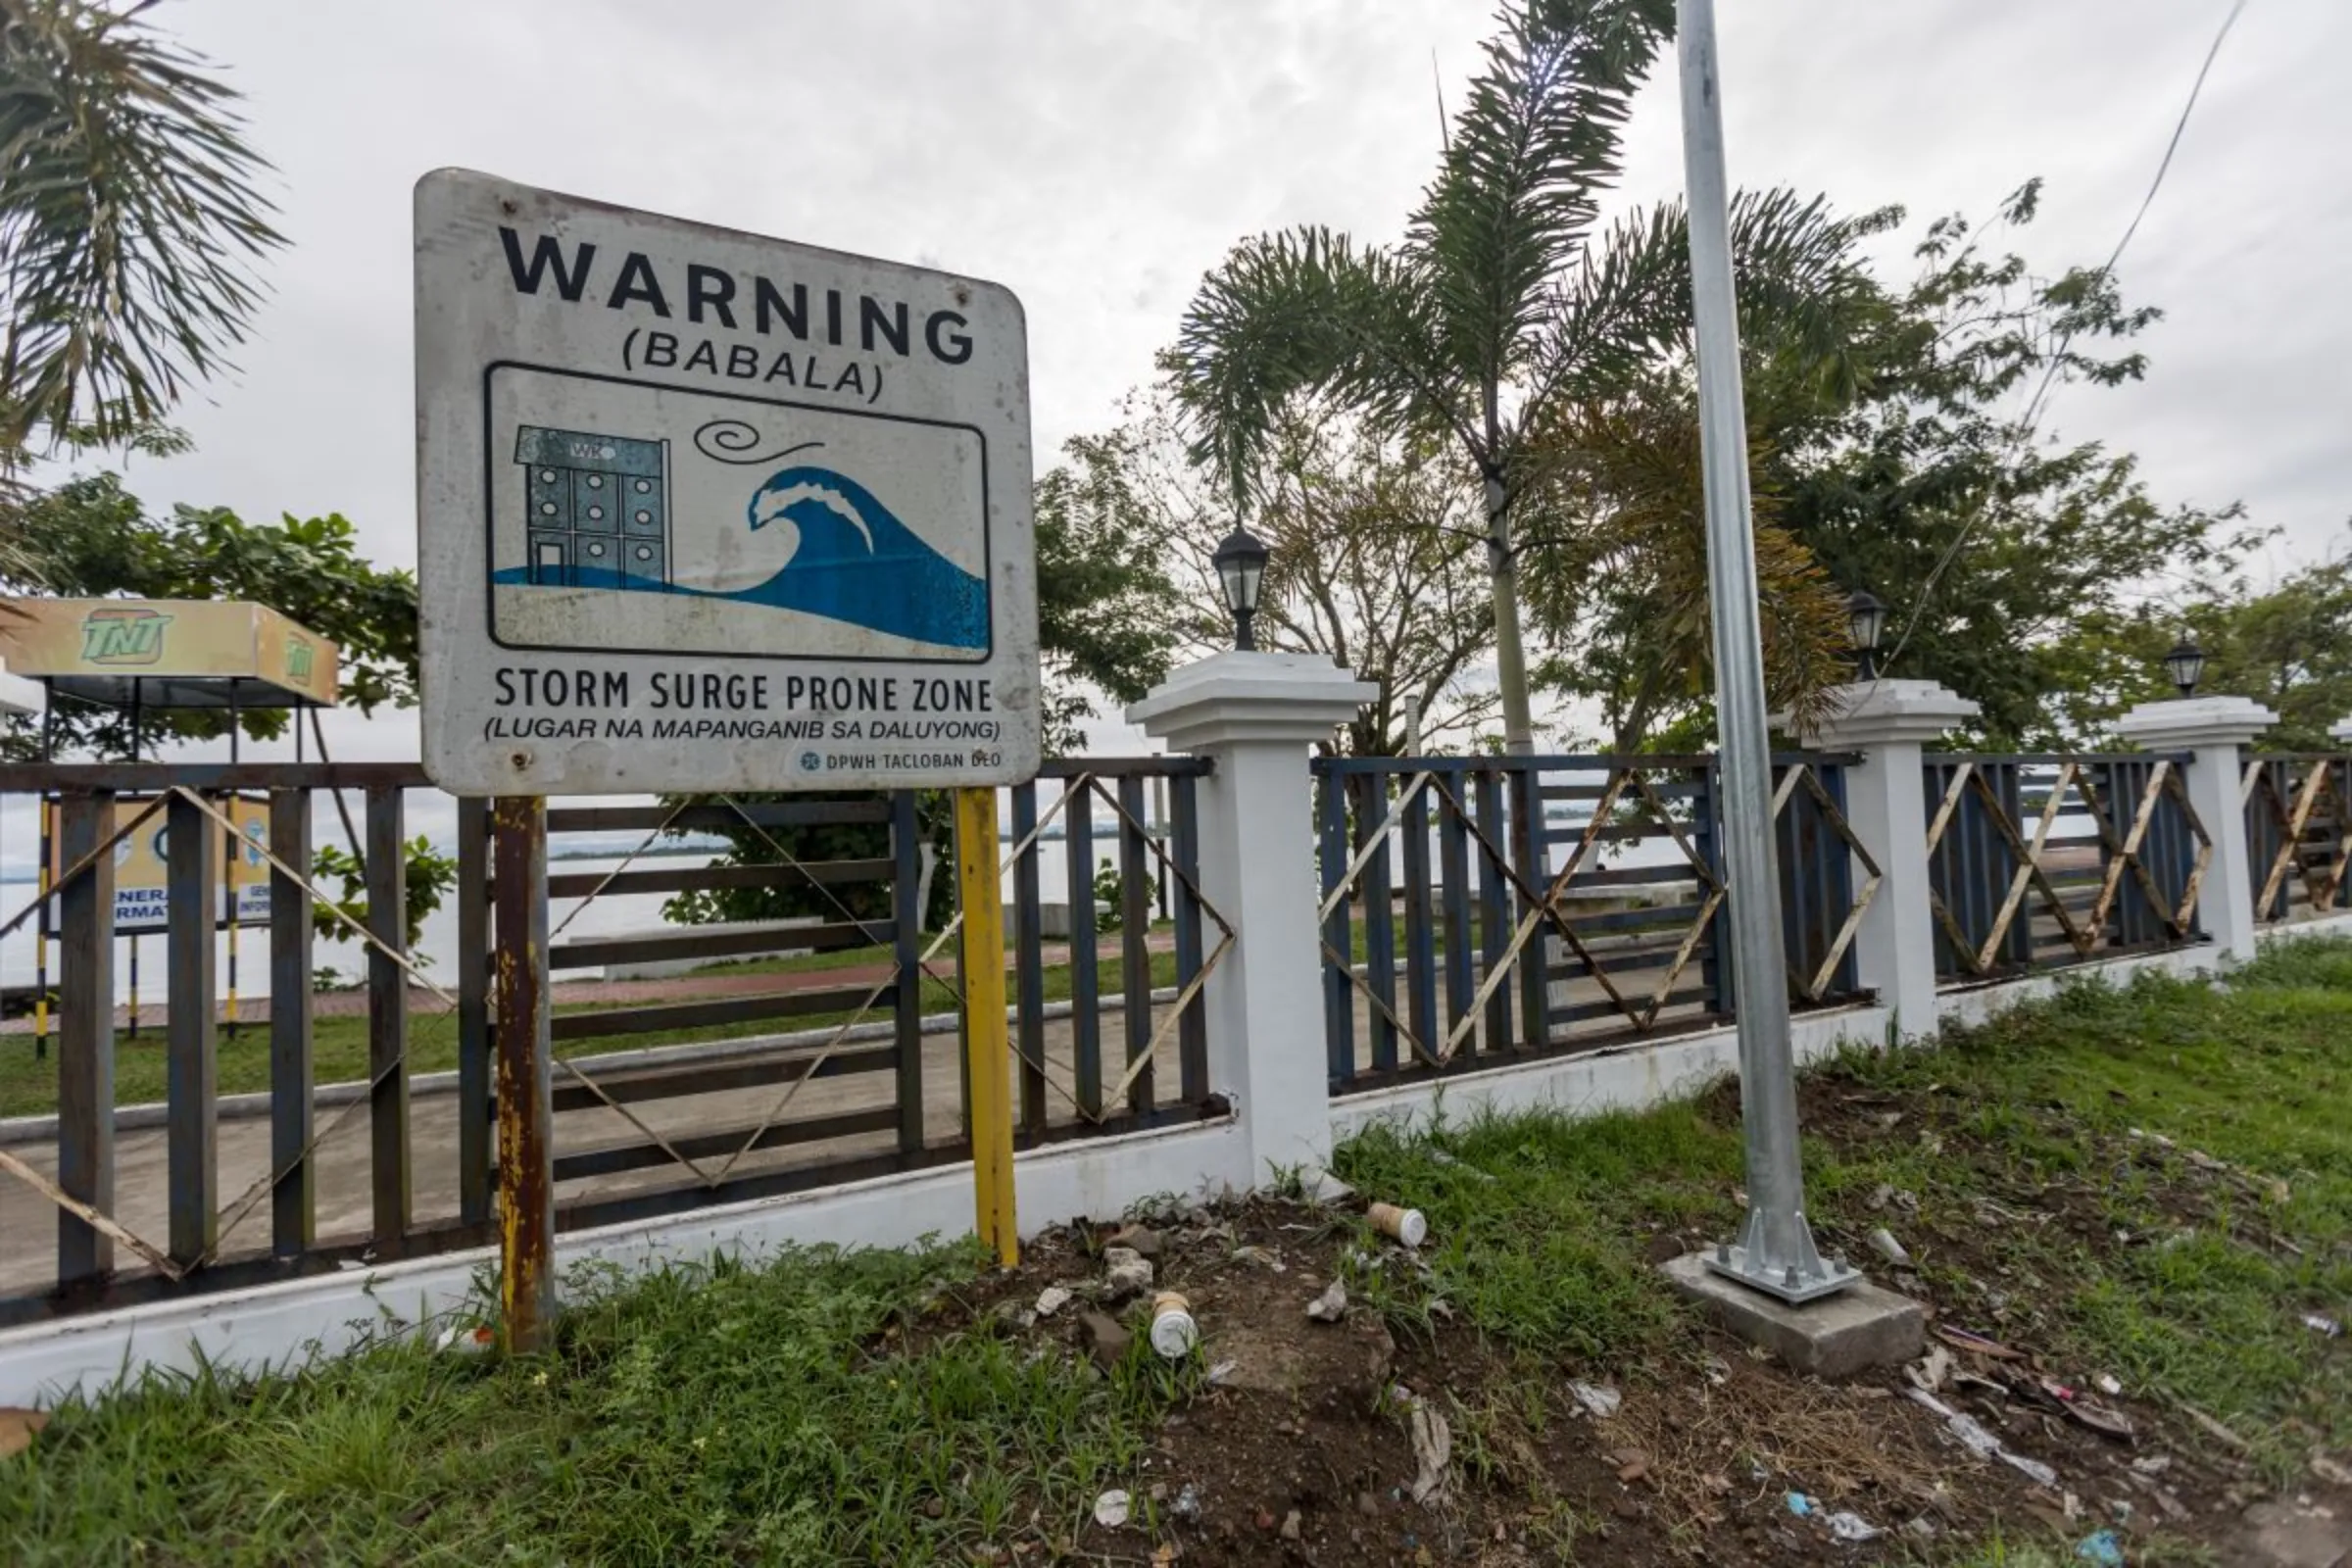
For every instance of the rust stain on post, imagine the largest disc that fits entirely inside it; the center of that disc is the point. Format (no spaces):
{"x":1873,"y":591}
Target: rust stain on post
{"x":526,"y":1185}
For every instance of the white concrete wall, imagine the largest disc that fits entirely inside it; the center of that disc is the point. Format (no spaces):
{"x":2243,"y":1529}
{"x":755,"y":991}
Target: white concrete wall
{"x":1630,"y":1078}
{"x":1637,"y":1076}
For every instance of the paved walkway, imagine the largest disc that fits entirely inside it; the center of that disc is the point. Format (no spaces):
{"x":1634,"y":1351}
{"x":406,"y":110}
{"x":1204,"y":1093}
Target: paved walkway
{"x":353,"y":1003}
{"x":29,"y":1221}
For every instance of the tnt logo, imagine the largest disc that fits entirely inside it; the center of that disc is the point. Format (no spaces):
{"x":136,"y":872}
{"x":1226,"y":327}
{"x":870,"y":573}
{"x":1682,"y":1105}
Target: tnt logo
{"x":123,"y":636}
{"x":298,"y":659}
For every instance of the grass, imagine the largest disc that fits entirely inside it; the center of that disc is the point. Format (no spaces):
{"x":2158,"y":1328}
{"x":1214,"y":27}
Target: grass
{"x":339,"y":1045}
{"x":810,"y":1410}
{"x":772,"y":1415}
{"x":2192,"y":1287}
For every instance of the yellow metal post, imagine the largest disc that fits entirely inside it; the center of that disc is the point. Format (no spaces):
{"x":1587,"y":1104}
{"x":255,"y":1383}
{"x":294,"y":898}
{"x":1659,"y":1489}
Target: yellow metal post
{"x":981,"y":888}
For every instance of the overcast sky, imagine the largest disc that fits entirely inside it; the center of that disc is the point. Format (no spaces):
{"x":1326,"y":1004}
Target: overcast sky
{"x":1098,"y":156}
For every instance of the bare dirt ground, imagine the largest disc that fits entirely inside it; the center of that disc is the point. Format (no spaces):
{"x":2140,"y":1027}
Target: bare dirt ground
{"x":1302,"y":1448}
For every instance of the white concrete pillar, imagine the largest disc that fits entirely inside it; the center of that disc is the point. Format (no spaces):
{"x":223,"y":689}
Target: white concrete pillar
{"x":1890,"y":722}
{"x":2214,"y":731}
{"x":1254,"y":715}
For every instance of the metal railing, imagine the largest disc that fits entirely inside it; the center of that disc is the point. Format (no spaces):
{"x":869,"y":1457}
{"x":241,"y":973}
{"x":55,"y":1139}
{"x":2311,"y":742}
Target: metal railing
{"x":794,"y":1055}
{"x":222,"y":1209}
{"x":2038,"y":861}
{"x":1138,"y":874}
{"x":2298,"y":832}
{"x":1554,"y":903}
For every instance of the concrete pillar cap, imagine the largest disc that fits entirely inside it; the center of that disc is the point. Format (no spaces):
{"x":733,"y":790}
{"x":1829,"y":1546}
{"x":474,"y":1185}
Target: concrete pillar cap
{"x":1880,"y":712}
{"x":1234,"y":696}
{"x":2184,"y":723}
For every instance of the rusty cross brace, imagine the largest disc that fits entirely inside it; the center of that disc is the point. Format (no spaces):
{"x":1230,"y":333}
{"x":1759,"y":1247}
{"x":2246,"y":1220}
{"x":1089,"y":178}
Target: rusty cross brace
{"x":627,"y":861}
{"x":1192,"y":989}
{"x":105,"y":848}
{"x":2121,"y":854}
{"x":787,"y":857}
{"x":1078,"y":788}
{"x":710,"y":1178}
{"x":2318,"y":784}
{"x":1544,"y":907}
{"x":2030,"y":874}
{"x":234,"y":1213}
{"x":2163,"y":779}
{"x":1815,"y":988}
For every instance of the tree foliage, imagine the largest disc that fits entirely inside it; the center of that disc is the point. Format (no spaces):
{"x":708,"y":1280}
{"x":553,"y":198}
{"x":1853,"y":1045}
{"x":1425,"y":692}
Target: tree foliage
{"x":431,"y":876}
{"x":1622,"y":590}
{"x":2288,"y":645}
{"x":1938,"y":491}
{"x":1375,"y":559}
{"x":130,"y":218}
{"x":1107,"y":610}
{"x":92,"y":538}
{"x":1915,"y":467}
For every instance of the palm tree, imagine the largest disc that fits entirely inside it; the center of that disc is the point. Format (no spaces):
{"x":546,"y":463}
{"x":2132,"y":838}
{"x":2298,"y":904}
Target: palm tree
{"x":1505,"y":303}
{"x":129,"y":223}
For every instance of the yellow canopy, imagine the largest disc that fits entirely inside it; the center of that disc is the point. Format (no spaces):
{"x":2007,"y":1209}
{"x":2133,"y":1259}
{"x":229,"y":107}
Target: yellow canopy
{"x":168,"y":653}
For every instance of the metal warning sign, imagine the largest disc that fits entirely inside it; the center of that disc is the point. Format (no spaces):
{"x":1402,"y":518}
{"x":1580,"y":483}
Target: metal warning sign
{"x":700,"y":510}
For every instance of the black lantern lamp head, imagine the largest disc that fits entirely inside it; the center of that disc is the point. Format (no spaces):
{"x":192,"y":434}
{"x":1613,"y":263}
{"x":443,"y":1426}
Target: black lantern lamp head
{"x":1241,"y":562}
{"x":1866,"y":623}
{"x":2186,"y":663}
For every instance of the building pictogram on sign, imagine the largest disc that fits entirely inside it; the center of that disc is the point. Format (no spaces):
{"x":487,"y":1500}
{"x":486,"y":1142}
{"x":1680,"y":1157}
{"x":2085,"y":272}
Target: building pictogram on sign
{"x":598,"y":508}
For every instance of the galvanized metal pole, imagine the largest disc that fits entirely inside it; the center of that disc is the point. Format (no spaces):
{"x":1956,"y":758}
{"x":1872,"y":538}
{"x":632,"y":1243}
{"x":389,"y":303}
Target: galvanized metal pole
{"x":526,"y":1222}
{"x":1775,"y":1250}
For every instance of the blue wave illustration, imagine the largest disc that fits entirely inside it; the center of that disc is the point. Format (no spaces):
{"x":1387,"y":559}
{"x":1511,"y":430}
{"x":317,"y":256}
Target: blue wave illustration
{"x":852,"y":560}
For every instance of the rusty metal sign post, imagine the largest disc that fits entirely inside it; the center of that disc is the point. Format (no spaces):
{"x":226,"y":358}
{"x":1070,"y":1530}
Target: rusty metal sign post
{"x":526,"y":1208}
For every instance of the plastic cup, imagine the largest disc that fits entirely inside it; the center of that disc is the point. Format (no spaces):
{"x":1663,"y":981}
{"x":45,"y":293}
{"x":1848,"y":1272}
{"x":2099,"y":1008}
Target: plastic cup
{"x":1405,"y":1225}
{"x":1173,"y":1331}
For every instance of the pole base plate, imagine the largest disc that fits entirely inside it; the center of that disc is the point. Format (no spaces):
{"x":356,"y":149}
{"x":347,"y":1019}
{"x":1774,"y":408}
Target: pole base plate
{"x":1795,"y":1286}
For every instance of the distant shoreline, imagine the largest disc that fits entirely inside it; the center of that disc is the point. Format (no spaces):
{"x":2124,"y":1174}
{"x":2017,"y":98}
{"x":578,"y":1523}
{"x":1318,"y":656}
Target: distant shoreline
{"x":583,"y":852}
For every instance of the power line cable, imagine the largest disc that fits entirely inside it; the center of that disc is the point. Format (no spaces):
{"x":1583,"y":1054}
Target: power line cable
{"x":2035,"y":406}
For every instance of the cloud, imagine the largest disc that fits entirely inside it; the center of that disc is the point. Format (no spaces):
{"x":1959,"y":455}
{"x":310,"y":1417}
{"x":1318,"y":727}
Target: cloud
{"x":1098,"y":158}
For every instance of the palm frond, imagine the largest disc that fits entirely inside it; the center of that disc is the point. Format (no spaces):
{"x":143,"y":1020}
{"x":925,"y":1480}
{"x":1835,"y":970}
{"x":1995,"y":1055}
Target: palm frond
{"x":1298,"y":313}
{"x":1803,"y":291}
{"x":1537,"y":141}
{"x":130,"y":221}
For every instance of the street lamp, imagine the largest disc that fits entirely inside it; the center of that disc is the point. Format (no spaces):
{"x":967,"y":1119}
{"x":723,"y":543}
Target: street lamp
{"x":1241,"y":562}
{"x":2184,"y":664}
{"x":1865,"y":623}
